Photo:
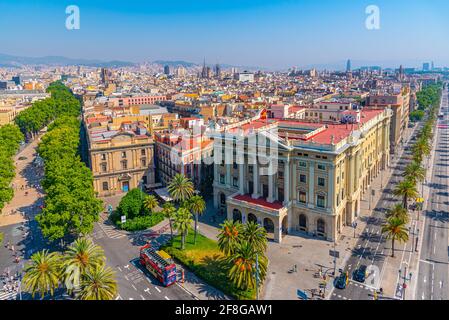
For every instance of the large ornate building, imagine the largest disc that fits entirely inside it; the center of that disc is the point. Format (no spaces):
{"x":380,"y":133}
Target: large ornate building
{"x":322,"y":171}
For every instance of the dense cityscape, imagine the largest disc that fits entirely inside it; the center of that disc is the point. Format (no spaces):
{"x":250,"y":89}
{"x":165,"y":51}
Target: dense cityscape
{"x":172,"y":180}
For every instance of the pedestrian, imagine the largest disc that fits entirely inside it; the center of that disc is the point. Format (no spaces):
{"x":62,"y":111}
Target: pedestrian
{"x":296,"y":268}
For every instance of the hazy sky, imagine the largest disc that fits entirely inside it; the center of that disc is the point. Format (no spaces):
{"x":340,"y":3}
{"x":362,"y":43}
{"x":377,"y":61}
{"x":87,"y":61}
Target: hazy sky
{"x":271,"y":33}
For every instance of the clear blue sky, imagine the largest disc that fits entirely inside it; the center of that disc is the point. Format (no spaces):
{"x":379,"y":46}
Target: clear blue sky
{"x":271,"y":33}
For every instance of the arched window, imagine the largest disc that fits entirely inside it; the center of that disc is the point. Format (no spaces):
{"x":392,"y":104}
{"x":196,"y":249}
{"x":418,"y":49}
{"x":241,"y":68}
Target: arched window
{"x":237,"y":215}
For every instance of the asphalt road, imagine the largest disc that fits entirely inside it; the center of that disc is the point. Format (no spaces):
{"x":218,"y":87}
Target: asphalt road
{"x":134,"y":281}
{"x":372,"y":248}
{"x":433,"y":276}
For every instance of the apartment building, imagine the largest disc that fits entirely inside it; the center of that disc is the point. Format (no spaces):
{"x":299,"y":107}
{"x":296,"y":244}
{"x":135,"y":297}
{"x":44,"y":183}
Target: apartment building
{"x":322,"y":172}
{"x":400,"y":105}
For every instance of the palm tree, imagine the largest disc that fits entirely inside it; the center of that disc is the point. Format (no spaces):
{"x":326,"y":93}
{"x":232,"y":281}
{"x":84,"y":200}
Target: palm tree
{"x":197,"y":205}
{"x":243,"y":272}
{"x":98,"y":283}
{"x":415,"y":172}
{"x":180,"y":188}
{"x":396,"y":230}
{"x":182,"y":223}
{"x":81,"y":256}
{"x":42,"y":275}
{"x":256,"y":235}
{"x":399,"y":212}
{"x":230,"y":236}
{"x":169,"y":212}
{"x":150,"y":203}
{"x":407,"y":190}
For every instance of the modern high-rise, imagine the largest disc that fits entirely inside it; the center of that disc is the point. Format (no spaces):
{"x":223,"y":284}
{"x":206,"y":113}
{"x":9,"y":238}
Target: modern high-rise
{"x":348,"y":66}
{"x":167,"y":70}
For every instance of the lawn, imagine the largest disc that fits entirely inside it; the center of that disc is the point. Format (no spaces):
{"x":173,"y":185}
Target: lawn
{"x":207,"y":262}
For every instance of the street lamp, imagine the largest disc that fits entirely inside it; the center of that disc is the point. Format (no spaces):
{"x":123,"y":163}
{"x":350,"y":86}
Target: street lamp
{"x":405,"y":278}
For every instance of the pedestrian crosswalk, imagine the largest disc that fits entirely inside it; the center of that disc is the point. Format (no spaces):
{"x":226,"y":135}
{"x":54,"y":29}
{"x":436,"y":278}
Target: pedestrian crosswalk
{"x":110,"y":231}
{"x":4,"y":295}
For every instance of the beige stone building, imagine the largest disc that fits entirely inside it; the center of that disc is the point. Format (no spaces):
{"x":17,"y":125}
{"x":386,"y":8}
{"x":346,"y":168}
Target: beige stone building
{"x":400,"y":105}
{"x":120,"y":159}
{"x":322,"y":172}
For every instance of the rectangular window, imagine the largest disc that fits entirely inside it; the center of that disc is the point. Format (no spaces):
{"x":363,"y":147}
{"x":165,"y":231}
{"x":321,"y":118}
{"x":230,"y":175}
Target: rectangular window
{"x":105,"y":186}
{"x":124,"y":165}
{"x":303,"y":178}
{"x":104,"y":167}
{"x":124,"y":154}
{"x":303,"y":164}
{"x":320,"y":201}
{"x":143,"y":152}
{"x":143,"y":162}
{"x":302,"y":196}
{"x":321,"y":167}
{"x":250,"y":169}
{"x":103,"y":156}
{"x":321,"y":182}
{"x":222,"y":179}
{"x":235,"y":182}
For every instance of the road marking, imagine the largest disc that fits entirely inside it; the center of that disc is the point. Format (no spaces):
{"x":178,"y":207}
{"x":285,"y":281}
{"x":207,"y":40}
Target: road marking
{"x":126,"y":278}
{"x":425,"y":280}
{"x":119,"y":269}
{"x":158,"y":289}
{"x":131,"y":298}
{"x":142,"y":297}
{"x":127,"y":266}
{"x":118,"y":298}
{"x":166,"y":298}
{"x":134,"y":287}
{"x":147,"y":290}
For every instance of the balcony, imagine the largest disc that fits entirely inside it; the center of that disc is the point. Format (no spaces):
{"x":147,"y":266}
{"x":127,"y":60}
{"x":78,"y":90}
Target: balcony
{"x":258,"y":205}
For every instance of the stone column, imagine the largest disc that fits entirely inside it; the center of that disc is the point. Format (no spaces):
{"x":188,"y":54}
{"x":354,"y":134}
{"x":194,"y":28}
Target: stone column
{"x":311,"y":183}
{"x":331,"y":187}
{"x":242,"y":179}
{"x":256,"y":194}
{"x":270,"y":188}
{"x":228,"y":175}
{"x":287,"y":183}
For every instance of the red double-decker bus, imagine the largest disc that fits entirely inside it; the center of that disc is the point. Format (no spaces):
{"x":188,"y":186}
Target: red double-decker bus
{"x":158,"y":264}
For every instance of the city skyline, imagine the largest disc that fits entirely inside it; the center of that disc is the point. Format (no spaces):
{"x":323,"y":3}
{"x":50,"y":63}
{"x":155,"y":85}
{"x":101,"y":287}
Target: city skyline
{"x":232,"y":32}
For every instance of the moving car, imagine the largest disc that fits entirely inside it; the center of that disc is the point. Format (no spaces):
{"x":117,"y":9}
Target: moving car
{"x":360,"y":274}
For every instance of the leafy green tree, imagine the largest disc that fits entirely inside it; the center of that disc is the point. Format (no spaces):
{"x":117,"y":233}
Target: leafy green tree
{"x":98,"y":283}
{"x":407,"y":190}
{"x":256,"y":236}
{"x":230,"y":236}
{"x":43,"y":274}
{"x":182,"y":223}
{"x":243,"y":270}
{"x":180,"y":188}
{"x":197,"y":205}
{"x":131,"y":204}
{"x":395,"y":229}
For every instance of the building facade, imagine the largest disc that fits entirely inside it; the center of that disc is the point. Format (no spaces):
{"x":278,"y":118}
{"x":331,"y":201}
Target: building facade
{"x":322,"y":173}
{"x":122,"y":159}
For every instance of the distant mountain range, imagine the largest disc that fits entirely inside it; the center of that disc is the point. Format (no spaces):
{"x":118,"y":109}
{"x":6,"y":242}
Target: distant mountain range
{"x":12,"y":61}
{"x":16,"y":61}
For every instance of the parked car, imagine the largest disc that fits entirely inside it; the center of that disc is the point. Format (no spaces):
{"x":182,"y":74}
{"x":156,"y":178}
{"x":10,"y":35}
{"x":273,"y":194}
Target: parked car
{"x":340,"y":281}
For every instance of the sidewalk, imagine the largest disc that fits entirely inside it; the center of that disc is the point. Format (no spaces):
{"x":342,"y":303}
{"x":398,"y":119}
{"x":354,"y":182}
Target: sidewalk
{"x":25,"y":201}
